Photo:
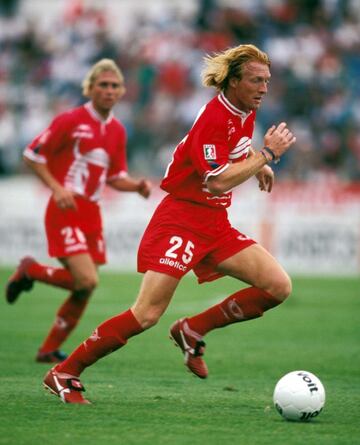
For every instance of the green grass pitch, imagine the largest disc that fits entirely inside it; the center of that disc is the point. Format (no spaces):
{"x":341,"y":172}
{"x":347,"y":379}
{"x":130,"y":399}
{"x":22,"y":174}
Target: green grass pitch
{"x":142,"y":393}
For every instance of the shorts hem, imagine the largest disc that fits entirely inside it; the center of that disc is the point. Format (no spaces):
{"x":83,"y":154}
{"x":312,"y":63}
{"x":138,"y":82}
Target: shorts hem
{"x":78,"y":252}
{"x":246,"y":244}
{"x":172,"y":273}
{"x":210,"y":278}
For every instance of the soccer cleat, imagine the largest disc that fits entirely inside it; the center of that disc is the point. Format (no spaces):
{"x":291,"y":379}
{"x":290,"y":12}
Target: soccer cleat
{"x":19,"y":281}
{"x":65,"y":386}
{"x":192,"y":346}
{"x":50,"y":357}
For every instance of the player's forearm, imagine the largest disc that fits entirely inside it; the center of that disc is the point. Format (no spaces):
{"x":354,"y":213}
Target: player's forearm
{"x":125,"y":184}
{"x":236,"y":174}
{"x":42,"y":172}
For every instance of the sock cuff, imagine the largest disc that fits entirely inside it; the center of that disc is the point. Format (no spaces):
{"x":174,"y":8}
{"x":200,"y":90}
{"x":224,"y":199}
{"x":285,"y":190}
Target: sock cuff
{"x":270,"y":299}
{"x":122,"y":326}
{"x":134,"y":326}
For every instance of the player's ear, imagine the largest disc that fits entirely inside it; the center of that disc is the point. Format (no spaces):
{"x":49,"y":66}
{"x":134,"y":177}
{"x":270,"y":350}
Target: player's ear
{"x":233,"y":81}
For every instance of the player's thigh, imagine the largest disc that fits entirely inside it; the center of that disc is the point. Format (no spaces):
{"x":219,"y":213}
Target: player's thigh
{"x":154,"y":296}
{"x":83,"y":270}
{"x":257,"y":267}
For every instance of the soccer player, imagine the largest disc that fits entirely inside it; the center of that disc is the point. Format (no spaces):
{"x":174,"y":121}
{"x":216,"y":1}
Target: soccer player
{"x":190,"y":229}
{"x":81,"y":151}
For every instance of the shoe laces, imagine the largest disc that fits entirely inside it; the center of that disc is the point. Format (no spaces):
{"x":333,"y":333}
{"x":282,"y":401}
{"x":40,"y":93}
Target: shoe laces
{"x":199,"y":348}
{"x":75,"y":384}
{"x":188,"y":336}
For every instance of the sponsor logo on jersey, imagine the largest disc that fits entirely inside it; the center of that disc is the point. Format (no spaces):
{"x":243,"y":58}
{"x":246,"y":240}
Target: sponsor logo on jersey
{"x":83,"y":131}
{"x":209,"y":152}
{"x":231,"y":128}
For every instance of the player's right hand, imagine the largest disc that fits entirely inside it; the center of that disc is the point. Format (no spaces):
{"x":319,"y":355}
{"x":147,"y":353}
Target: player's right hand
{"x":144,"y":188}
{"x":279,"y":139}
{"x":64,"y":199}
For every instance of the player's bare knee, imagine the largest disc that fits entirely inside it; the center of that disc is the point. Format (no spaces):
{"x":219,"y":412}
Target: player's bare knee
{"x":150,"y":318}
{"x":86,"y":284}
{"x":281,"y":288}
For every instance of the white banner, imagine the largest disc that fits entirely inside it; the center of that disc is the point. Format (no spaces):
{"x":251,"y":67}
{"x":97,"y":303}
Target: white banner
{"x":310,"y":228}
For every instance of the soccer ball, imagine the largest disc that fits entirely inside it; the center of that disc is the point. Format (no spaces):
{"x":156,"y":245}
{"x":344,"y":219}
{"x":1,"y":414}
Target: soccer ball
{"x":299,"y":396}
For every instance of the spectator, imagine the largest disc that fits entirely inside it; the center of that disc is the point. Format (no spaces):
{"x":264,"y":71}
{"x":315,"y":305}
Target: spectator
{"x":314,"y":46}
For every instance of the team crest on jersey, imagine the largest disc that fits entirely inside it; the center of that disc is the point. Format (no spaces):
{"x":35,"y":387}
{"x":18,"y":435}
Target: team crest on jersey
{"x":209,"y":152}
{"x":83,"y":131}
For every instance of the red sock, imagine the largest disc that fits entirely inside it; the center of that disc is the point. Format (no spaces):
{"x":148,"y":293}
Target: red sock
{"x":67,"y":318}
{"x":108,"y":337}
{"x":58,"y":277}
{"x":242,"y":305}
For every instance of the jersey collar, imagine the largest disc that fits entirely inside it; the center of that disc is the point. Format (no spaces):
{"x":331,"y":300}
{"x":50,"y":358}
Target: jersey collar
{"x":229,"y":106}
{"x":90,"y":108}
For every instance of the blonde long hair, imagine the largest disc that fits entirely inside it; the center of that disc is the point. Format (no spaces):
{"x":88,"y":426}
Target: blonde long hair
{"x":99,"y":67}
{"x":221,"y":67}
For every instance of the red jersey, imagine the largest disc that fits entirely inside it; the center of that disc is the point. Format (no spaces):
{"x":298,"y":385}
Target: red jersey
{"x":220,"y":135}
{"x":82,"y":150}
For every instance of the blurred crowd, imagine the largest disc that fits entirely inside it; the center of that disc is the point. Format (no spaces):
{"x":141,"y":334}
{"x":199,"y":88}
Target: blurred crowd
{"x":314,"y":46}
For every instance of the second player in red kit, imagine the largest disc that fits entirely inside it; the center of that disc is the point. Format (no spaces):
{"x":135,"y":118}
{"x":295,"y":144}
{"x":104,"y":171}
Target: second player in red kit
{"x":82,"y":151}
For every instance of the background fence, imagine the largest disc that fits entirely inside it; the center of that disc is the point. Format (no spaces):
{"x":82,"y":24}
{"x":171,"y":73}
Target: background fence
{"x":311,"y":228}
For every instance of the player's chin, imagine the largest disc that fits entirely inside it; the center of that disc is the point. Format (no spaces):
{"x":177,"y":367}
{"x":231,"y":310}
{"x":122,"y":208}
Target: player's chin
{"x":108,"y":103}
{"x":252,"y":107}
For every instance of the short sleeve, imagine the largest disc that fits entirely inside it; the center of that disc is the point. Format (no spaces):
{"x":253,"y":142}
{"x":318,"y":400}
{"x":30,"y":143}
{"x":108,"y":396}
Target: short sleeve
{"x":209,"y":149}
{"x":49,"y":141}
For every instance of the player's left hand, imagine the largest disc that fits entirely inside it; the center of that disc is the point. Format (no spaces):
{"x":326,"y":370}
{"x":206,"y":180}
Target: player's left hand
{"x":144,"y":188}
{"x":266,"y":178}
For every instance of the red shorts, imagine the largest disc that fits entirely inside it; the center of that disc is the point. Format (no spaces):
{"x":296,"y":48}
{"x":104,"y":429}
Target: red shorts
{"x":183,"y":235}
{"x":70,"y":232}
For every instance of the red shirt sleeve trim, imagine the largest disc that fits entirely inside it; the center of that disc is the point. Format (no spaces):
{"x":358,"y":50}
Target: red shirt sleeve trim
{"x":215,"y":172}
